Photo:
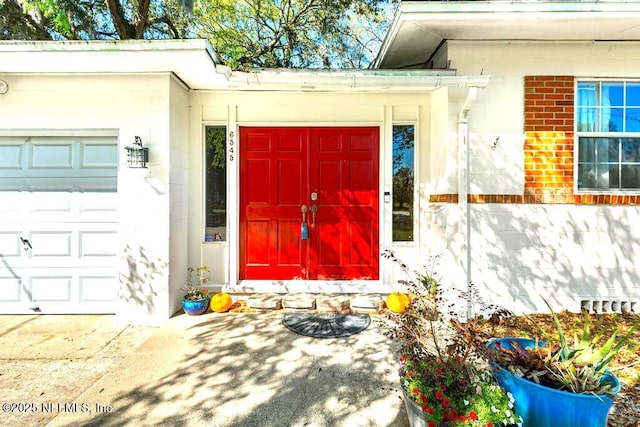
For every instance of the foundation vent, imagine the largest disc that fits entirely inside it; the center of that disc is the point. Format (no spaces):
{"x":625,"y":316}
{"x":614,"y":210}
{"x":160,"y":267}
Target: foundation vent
{"x":599,"y":306}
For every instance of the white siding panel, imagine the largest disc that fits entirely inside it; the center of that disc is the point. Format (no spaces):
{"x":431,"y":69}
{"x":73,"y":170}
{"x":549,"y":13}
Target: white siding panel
{"x":522,"y":253}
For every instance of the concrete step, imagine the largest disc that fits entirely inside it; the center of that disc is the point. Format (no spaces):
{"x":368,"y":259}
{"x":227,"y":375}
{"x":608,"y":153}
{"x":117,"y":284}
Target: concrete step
{"x":265,"y":301}
{"x":334,"y":302}
{"x":366,"y":303}
{"x":299,"y":301}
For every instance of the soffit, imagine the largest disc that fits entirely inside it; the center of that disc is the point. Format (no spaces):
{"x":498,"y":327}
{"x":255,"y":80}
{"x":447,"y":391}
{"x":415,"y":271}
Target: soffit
{"x":420,"y":27}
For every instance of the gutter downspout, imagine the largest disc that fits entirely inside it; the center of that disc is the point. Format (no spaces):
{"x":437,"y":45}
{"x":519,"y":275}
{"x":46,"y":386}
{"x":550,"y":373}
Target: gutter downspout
{"x":463,"y":189}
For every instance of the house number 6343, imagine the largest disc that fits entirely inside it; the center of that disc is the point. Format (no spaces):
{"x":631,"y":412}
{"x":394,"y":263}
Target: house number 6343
{"x":232,"y":148}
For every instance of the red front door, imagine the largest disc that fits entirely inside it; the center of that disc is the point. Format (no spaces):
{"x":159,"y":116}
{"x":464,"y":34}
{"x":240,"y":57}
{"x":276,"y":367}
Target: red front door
{"x":333,"y":171}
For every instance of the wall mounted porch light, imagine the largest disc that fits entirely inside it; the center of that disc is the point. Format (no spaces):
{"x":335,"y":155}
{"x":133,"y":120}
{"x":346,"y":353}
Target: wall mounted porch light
{"x":137,"y":155}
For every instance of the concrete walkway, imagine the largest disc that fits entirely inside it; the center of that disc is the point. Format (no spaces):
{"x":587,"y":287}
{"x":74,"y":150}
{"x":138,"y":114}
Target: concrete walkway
{"x":210,"y":370}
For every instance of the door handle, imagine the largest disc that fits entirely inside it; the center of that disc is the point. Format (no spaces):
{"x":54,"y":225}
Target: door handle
{"x":304,"y":209}
{"x":314,"y":209}
{"x":26,"y":244}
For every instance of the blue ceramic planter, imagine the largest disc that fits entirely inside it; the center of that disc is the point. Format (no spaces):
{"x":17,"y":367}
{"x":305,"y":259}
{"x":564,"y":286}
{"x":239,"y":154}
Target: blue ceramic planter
{"x":543,"y":406}
{"x":195,"y":307}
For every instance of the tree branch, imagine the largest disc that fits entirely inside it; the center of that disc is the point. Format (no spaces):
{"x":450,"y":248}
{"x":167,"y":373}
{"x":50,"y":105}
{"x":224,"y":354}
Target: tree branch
{"x":123,"y":28}
{"x":141,"y":17}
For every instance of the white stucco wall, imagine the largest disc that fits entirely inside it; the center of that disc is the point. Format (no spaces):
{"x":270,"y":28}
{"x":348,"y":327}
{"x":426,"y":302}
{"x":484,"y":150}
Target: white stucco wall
{"x":179,"y":192}
{"x":563,"y":253}
{"x":130,"y":105}
{"x":520,"y":253}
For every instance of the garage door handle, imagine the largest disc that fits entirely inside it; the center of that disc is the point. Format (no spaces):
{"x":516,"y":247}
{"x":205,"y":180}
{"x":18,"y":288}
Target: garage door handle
{"x":25,"y":243}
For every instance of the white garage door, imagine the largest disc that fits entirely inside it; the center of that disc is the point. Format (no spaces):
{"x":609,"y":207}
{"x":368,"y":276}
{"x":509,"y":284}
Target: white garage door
{"x":58,"y":224}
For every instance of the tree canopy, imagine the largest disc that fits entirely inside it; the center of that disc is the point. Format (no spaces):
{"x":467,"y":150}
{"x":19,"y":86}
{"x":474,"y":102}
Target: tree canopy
{"x":246,"y":33}
{"x":293,"y":33}
{"x":92,"y":19}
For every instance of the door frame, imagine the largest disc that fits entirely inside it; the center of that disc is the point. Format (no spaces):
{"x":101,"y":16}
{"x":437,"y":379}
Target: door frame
{"x":233,"y":201}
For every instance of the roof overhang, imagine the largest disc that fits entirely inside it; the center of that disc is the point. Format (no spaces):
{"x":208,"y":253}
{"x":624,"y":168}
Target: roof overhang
{"x":195,"y":63}
{"x":420,"y":27}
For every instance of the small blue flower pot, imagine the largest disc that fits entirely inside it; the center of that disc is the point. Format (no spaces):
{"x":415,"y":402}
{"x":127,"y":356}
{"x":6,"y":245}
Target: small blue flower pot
{"x":543,"y":406}
{"x":195,"y":307}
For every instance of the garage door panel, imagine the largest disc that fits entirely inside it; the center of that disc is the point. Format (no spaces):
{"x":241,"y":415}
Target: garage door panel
{"x":50,"y":288}
{"x":51,"y":156}
{"x":93,"y":243}
{"x":98,"y":156}
{"x":95,"y":204}
{"x":58,"y":184}
{"x":59,"y":193}
{"x":53,"y":207}
{"x":59,"y":164}
{"x":10,"y":244}
{"x":11,"y":156}
{"x":52,"y":203}
{"x":48,"y":244}
{"x":10,"y":288}
{"x":98,"y":289}
{"x":12,"y":202}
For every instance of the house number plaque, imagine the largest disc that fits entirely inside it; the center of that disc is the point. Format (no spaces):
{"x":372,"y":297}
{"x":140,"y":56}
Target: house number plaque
{"x":231,"y":149}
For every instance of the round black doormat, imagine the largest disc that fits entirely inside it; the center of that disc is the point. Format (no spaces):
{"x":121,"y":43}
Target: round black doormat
{"x":326,"y":325}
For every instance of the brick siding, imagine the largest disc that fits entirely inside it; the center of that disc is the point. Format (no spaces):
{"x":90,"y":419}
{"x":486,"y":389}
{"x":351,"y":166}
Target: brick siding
{"x":548,"y":149}
{"x":548,"y":144}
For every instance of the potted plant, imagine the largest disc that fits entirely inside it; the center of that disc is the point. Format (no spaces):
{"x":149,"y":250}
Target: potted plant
{"x":196,"y":298}
{"x":443,"y":379}
{"x":556,"y":382}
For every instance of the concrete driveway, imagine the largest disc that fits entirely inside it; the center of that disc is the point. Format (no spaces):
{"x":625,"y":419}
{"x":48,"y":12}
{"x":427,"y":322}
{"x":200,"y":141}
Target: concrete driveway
{"x":211,"y":370}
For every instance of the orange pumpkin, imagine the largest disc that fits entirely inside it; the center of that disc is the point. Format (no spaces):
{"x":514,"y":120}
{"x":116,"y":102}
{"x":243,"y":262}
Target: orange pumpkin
{"x":221,"y":302}
{"x":398,"y":302}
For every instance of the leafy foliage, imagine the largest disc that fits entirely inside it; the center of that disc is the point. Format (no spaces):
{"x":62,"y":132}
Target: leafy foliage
{"x":578,"y":367}
{"x":197,"y":277}
{"x":215,"y":140}
{"x":441,"y":370}
{"x":581,"y":367}
{"x":625,"y":365}
{"x":246,"y":33}
{"x":294,"y":33}
{"x":92,"y":19}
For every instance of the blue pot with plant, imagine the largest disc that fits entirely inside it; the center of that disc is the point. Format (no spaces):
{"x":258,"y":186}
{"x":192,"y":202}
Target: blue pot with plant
{"x":557,"y":383}
{"x":196,"y":299}
{"x":544,"y":405}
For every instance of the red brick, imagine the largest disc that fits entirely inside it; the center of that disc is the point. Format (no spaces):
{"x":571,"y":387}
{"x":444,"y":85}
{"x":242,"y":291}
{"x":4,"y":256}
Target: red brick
{"x":544,"y":102}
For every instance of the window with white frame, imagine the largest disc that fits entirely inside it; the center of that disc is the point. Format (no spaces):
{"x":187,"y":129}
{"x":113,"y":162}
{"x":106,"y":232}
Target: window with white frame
{"x":608,"y":131}
{"x":403,"y":182}
{"x":215,"y":183}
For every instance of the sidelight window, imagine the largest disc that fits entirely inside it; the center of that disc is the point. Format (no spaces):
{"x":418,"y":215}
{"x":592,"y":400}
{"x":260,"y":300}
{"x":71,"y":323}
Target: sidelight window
{"x":216,"y":183}
{"x":403,"y":182}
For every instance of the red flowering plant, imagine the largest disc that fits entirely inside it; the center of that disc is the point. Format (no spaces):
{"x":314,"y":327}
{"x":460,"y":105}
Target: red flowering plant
{"x":442,"y":370}
{"x":450,"y":393}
